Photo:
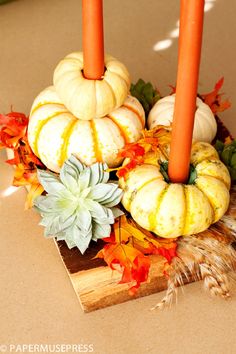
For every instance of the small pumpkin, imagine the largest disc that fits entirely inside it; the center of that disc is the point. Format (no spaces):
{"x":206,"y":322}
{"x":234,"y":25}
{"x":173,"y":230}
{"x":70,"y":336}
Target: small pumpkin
{"x":89,"y":99}
{"x":170,"y":209}
{"x":54,"y":133}
{"x":205,"y":126}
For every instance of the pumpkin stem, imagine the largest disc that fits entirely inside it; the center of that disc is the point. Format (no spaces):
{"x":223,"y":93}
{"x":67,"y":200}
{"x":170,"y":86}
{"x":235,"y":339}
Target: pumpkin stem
{"x":164,"y":171}
{"x":192,"y":175}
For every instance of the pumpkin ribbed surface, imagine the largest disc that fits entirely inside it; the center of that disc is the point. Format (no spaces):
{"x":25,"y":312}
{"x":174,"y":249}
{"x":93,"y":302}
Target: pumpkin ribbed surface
{"x":89,"y":99}
{"x":171,"y":209}
{"x":54,"y":133}
{"x":204,"y":125}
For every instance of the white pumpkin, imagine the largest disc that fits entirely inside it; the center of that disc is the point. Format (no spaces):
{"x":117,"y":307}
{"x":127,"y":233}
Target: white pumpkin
{"x":89,"y":99}
{"x":205,"y":126}
{"x":54,"y":133}
{"x":173,"y":209}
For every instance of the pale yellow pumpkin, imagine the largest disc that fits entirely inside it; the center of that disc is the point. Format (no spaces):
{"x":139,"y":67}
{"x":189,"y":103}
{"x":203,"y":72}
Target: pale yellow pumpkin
{"x":89,"y":99}
{"x":205,"y":126}
{"x":54,"y":133}
{"x":171,"y":209}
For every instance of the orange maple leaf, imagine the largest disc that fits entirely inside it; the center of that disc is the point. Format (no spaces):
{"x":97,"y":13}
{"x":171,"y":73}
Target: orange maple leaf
{"x":214,"y":98}
{"x":128,"y":248}
{"x":154,"y":141}
{"x":35,"y":190}
{"x":134,"y":153}
{"x":133,"y":264}
{"x":14,"y":126}
{"x":13,"y":135}
{"x":28,"y":177}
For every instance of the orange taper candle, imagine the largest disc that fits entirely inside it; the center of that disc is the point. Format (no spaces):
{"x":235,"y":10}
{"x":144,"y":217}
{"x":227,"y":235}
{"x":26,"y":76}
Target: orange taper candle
{"x":93,"y":42}
{"x":190,"y":41}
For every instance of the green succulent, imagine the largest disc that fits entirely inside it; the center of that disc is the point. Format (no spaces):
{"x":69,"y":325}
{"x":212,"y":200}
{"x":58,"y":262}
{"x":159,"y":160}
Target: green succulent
{"x":80,"y":204}
{"x":227,"y":154}
{"x":146,"y":94}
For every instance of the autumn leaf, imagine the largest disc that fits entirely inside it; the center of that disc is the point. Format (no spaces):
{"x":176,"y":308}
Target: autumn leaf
{"x":149,"y":149}
{"x":14,"y":126}
{"x":24,"y":177}
{"x":134,"y":153}
{"x":173,"y":89}
{"x":133,"y":265}
{"x":13,"y":135}
{"x":35,"y":190}
{"x":128,"y":249}
{"x":131,"y":151}
{"x":214,"y":98}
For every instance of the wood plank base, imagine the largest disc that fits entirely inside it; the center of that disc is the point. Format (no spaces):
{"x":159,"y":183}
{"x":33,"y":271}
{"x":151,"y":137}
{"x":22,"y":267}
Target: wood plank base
{"x":97,"y":286}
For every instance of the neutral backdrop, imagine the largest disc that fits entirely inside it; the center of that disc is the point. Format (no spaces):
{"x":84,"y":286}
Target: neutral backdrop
{"x":37,"y":302}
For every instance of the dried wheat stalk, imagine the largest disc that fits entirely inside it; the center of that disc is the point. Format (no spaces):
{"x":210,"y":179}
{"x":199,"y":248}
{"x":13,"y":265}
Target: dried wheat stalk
{"x":208,"y":256}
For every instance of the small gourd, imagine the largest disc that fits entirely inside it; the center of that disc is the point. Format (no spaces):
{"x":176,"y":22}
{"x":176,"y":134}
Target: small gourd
{"x":89,"y":99}
{"x":171,"y":209}
{"x":54,"y":133}
{"x":205,"y":126}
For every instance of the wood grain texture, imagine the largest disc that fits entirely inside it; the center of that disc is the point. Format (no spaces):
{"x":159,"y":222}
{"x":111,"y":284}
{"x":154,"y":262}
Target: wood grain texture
{"x":97,"y":286}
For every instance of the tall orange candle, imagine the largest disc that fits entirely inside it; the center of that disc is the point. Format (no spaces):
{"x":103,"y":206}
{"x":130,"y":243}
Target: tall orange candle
{"x":190,"y":42}
{"x":93,"y":40}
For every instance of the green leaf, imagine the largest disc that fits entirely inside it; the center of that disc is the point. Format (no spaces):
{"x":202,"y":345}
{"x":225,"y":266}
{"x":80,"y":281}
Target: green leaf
{"x":146,"y":94}
{"x":79,"y":204}
{"x":115,"y":200}
{"x":219,"y":146}
{"x":164,"y":170}
{"x":139,"y":85}
{"x":84,"y":178}
{"x":102,"y":192}
{"x":101,"y":231}
{"x":117,"y":212}
{"x":50,"y":182}
{"x":81,"y":242}
{"x":84,"y":219}
{"x":192,"y":175}
{"x":227,"y":154}
{"x":233,"y":160}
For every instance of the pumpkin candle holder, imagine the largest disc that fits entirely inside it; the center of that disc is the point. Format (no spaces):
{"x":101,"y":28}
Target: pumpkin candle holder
{"x":172,"y":209}
{"x":92,"y":119}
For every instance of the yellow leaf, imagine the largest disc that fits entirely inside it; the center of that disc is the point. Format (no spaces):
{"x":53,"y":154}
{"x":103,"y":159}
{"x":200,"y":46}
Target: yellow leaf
{"x":35,"y":190}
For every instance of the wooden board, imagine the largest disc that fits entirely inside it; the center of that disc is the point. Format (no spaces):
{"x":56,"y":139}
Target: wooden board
{"x":97,"y":286}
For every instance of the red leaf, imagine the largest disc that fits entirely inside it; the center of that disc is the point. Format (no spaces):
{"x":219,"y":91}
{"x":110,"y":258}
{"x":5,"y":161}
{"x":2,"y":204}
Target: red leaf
{"x":133,"y":265}
{"x":173,"y":89}
{"x":131,"y":151}
{"x":167,"y":253}
{"x":14,"y":126}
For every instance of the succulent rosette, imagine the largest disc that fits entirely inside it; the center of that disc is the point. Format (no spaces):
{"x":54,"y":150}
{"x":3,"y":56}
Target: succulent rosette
{"x":80,"y":203}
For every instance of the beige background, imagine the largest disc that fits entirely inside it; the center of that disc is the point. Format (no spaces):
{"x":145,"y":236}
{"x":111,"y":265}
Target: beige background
{"x":37,"y":302}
